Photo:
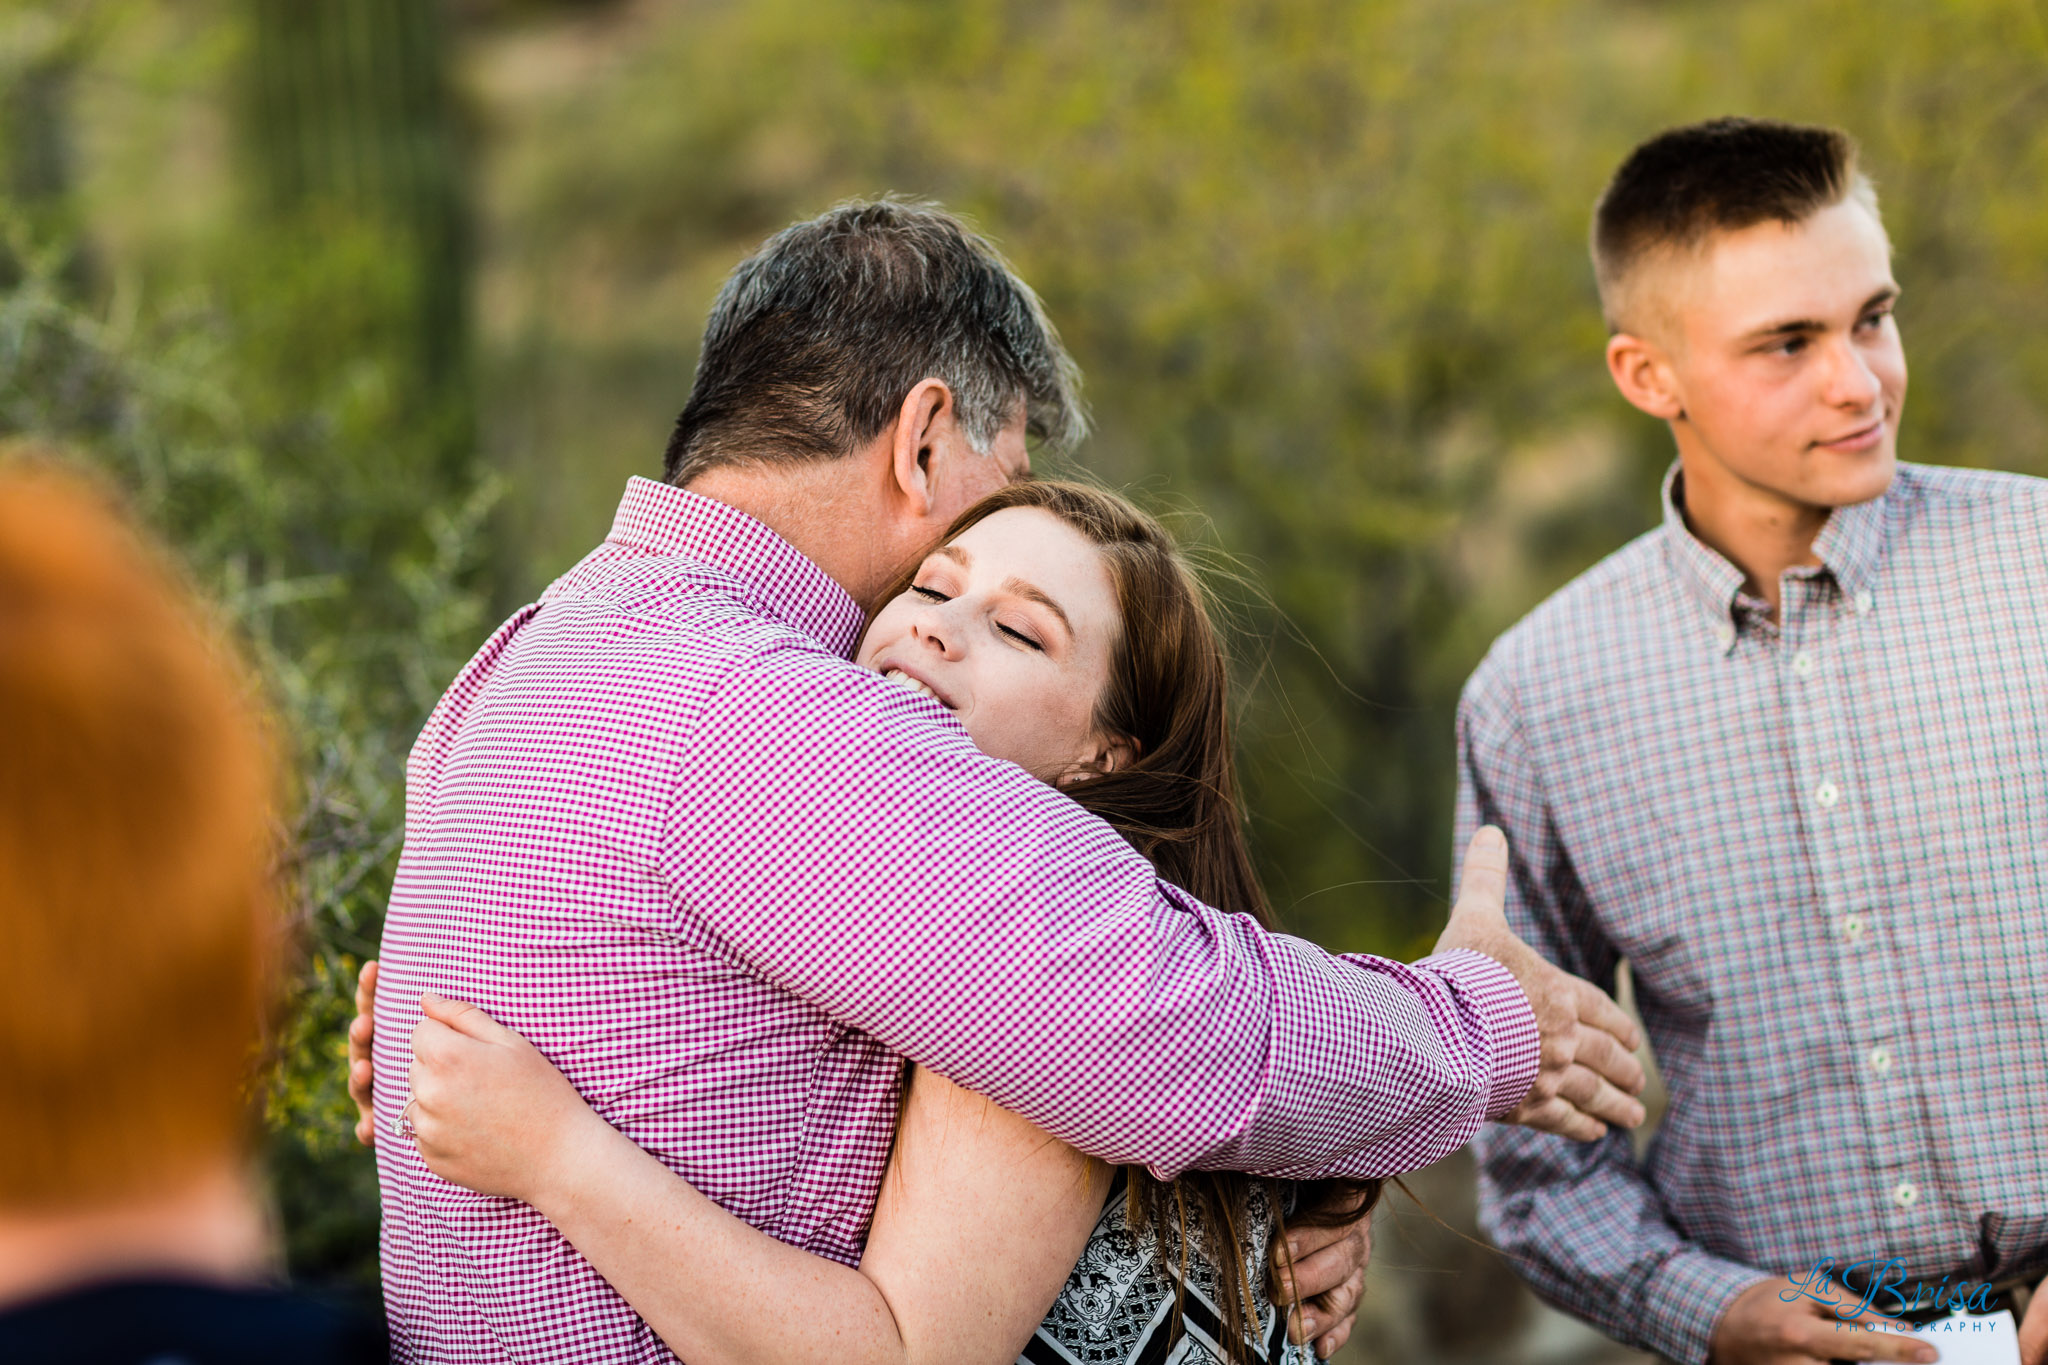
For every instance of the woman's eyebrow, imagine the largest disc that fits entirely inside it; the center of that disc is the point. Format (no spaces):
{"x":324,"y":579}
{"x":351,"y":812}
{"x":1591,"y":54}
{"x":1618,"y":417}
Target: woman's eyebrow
{"x":957,"y":554}
{"x":1017,"y":587}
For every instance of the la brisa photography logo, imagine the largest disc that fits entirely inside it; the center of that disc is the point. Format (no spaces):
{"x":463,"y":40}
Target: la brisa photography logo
{"x":1883,"y":1290}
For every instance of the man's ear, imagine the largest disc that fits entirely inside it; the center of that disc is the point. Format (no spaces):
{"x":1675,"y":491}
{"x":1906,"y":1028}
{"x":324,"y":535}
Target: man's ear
{"x":1644,"y":375}
{"x":926,"y":413}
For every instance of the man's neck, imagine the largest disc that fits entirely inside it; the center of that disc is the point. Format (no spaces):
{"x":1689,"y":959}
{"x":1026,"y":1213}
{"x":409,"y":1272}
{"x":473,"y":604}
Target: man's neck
{"x":810,"y":504}
{"x":1760,"y":532}
{"x":211,"y":1229}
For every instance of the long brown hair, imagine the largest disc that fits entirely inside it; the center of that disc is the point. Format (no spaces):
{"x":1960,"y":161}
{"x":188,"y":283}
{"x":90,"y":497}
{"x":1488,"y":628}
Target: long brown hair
{"x":1177,"y":803}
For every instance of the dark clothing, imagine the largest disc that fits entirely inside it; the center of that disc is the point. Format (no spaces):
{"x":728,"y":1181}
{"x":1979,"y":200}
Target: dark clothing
{"x":168,"y":1322}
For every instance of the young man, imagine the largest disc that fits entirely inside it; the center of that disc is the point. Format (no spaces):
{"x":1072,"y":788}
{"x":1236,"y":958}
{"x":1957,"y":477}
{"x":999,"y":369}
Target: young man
{"x":1787,"y":755}
{"x":727,"y":881}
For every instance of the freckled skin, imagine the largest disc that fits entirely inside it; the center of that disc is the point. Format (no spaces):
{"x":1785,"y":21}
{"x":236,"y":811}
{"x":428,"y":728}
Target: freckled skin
{"x":1023,"y":682}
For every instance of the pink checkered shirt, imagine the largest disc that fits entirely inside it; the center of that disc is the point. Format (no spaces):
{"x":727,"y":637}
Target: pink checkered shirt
{"x":728,"y":881}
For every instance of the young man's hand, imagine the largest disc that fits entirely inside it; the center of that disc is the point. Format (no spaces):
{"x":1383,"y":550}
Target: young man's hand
{"x":1588,"y":1076}
{"x":2034,"y":1328}
{"x":1760,"y":1328}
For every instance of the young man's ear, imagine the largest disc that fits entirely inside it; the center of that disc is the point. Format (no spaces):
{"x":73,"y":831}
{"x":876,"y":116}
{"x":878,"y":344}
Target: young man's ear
{"x":1644,"y":375}
{"x":920,"y":426}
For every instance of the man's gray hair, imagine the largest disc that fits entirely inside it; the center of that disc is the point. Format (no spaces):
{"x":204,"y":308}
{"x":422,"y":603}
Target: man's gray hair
{"x":816,"y":338}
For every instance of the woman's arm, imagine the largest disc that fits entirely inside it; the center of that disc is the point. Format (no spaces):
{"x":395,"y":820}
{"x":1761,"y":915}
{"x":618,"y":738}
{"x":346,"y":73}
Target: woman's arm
{"x":981,"y":1216}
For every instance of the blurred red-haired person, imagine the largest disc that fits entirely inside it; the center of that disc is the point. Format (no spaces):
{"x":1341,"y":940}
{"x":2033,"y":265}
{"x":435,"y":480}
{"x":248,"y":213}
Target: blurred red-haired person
{"x":141,"y":932}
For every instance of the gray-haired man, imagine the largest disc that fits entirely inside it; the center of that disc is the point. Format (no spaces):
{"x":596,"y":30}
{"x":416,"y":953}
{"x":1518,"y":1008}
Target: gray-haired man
{"x":839,"y":891}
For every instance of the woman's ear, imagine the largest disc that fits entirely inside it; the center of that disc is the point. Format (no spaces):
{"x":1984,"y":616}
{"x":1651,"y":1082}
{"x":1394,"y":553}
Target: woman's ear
{"x":1111,"y":753}
{"x":1103,"y":754}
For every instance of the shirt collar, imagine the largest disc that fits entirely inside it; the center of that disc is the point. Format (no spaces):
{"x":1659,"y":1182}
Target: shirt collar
{"x":1852,"y":543}
{"x":658,"y":519}
{"x":1706,"y":575}
{"x":1848,"y":547}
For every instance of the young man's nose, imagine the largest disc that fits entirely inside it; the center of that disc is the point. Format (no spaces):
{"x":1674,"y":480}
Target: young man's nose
{"x":1851,"y":383}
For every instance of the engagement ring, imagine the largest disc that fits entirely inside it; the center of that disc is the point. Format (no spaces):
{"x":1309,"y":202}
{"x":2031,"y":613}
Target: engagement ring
{"x":401,"y":1127}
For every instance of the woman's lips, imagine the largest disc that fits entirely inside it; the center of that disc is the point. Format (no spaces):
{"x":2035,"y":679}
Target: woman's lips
{"x":915,"y":684}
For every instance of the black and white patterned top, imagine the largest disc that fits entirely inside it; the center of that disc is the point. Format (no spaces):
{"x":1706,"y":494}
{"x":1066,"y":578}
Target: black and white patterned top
{"x":1118,"y":1306}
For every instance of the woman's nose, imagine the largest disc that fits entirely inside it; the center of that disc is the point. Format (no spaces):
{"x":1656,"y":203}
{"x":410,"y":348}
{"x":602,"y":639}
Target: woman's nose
{"x":931,"y":629}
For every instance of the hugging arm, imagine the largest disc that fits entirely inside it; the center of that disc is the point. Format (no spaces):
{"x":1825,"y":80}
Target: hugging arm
{"x":981,"y":924}
{"x":980,"y":1220}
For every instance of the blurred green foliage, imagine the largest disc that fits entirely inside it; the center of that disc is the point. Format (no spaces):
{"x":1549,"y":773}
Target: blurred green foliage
{"x":1321,"y":260}
{"x":264,"y":410}
{"x":1323,"y":263}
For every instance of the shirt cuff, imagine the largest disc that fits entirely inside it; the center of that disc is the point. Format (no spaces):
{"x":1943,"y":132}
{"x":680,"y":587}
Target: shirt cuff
{"x":1684,"y":1300}
{"x":1497,"y":998}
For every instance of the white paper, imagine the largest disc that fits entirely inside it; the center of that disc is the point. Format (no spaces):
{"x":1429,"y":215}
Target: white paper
{"x":1993,"y":1339}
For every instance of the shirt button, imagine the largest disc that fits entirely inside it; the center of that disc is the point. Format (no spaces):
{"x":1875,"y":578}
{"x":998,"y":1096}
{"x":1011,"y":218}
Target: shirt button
{"x":1864,"y":602}
{"x":1802,"y":664}
{"x":1827,"y":793}
{"x":1852,"y":928}
{"x":1724,"y":636}
{"x":1880,"y":1060}
{"x":1905,"y":1193}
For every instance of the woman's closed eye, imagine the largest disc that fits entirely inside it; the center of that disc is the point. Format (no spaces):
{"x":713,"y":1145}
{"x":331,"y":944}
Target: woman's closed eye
{"x":930,"y":594}
{"x":1020,"y":637}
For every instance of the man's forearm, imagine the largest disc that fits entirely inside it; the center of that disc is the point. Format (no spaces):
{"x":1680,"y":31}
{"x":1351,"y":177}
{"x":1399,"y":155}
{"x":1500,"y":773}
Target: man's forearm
{"x":1451,"y":1040}
{"x":992,"y":931}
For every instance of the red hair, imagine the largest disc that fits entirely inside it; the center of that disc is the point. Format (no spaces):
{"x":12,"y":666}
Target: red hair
{"x":138,"y":917}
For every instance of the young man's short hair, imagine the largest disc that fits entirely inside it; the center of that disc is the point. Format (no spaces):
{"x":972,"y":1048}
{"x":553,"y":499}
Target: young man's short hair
{"x":139,"y":921}
{"x":1719,"y":176}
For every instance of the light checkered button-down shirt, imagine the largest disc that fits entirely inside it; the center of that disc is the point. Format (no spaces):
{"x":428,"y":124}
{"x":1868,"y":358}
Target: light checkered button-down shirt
{"x":1822,"y":846}
{"x":727,"y":881}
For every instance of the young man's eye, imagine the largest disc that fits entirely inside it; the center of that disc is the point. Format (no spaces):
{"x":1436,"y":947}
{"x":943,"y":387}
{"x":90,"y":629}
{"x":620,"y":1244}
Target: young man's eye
{"x":1021,"y":638}
{"x":930,"y":594}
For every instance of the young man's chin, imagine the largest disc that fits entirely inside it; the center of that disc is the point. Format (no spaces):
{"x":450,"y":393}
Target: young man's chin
{"x":1844,"y":479}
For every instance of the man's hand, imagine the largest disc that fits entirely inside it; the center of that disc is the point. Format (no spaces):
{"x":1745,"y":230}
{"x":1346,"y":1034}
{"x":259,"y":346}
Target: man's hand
{"x":1588,"y":1076}
{"x":1323,"y":1272}
{"x":1760,"y":1328}
{"x":2034,"y":1328}
{"x":361,"y":1030}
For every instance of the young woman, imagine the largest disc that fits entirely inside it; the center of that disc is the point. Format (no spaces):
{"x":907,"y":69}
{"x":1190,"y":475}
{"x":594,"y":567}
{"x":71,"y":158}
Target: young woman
{"x":1059,"y":626}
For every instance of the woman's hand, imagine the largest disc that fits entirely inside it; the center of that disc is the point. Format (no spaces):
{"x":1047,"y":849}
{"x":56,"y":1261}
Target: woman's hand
{"x":362,"y":1030}
{"x":488,"y":1111}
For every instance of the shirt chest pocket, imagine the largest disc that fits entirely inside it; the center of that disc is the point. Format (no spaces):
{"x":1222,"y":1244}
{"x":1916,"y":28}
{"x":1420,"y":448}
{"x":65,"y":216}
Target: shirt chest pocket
{"x":1685,"y":859}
